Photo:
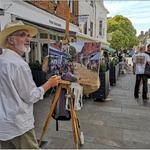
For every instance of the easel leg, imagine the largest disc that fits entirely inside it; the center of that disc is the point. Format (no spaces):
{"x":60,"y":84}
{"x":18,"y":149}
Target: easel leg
{"x":72,"y":121}
{"x":75,"y":127}
{"x":49,"y":116}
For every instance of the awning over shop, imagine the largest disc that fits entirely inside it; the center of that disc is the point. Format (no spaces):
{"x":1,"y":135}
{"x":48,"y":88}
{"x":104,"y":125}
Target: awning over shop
{"x":71,"y":33}
{"x":110,"y":50}
{"x":86,"y":38}
{"x":97,"y":56}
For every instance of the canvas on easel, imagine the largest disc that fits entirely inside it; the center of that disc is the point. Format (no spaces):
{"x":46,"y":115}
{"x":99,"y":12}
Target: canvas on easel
{"x":77,"y":58}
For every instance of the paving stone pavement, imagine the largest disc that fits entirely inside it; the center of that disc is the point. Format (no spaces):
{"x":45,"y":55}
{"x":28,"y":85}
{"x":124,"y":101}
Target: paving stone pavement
{"x":120,"y":122}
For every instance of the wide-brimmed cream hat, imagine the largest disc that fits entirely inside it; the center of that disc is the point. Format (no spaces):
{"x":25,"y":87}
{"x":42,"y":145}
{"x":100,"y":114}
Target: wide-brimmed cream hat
{"x":12,"y":27}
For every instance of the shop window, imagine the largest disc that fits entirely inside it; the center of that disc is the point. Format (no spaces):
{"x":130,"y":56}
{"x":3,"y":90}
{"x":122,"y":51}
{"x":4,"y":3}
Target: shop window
{"x":43,"y":35}
{"x":44,"y":50}
{"x":51,"y":36}
{"x":72,"y":40}
{"x":33,"y":52}
{"x":60,"y":38}
{"x":54,"y":37}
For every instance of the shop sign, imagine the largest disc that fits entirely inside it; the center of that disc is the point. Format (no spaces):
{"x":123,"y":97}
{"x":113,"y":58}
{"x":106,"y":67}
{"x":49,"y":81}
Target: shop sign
{"x":54,"y":23}
{"x":83,"y":18}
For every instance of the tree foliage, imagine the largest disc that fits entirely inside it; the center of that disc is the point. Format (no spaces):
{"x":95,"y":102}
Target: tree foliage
{"x":142,"y":38}
{"x":123,"y":33}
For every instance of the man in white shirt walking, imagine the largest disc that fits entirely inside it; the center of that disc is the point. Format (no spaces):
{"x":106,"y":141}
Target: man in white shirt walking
{"x":18,"y":91}
{"x":139,"y":62}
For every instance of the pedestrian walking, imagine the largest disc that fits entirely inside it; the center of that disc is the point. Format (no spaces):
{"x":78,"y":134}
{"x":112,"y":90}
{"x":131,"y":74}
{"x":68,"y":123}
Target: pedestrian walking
{"x":139,"y":62}
{"x":18,"y":91}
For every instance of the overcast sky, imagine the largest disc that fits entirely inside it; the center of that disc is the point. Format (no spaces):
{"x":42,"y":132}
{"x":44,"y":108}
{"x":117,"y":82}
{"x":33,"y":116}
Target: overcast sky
{"x":137,"y":11}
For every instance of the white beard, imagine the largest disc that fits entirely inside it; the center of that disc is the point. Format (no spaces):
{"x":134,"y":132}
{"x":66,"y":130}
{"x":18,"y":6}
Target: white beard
{"x":28,"y":49}
{"x":22,"y":50}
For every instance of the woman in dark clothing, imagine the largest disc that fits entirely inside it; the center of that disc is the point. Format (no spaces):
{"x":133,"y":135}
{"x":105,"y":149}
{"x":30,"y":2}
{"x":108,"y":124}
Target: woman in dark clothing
{"x":107,"y":61}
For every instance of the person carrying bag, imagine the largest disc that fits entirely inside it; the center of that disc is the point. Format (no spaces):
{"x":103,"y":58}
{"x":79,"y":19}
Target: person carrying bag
{"x":147,"y":66}
{"x":147,"y":70}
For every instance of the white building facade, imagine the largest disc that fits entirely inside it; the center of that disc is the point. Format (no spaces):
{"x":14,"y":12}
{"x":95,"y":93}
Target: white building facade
{"x":93,"y":20}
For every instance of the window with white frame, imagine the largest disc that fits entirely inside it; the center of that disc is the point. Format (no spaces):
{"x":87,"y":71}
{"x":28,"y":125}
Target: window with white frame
{"x":85,"y":28}
{"x":91,"y":28}
{"x":71,"y":6}
{"x":100,"y":27}
{"x":92,"y":3}
{"x":55,"y":1}
{"x":103,"y":32}
{"x":43,"y":35}
{"x":44,"y":50}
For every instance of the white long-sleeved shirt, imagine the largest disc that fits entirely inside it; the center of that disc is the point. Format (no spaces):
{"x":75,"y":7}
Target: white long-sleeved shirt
{"x":18,"y":93}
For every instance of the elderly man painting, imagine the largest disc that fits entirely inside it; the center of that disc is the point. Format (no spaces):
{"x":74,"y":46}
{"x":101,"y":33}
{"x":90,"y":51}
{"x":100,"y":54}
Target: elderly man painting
{"x":18,"y":91}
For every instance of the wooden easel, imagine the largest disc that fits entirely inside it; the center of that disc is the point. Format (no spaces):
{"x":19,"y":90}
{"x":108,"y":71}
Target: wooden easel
{"x":75,"y":124}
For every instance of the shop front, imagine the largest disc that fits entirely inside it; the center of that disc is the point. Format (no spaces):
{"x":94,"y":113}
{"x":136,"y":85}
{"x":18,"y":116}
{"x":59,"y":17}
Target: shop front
{"x":50,"y":28}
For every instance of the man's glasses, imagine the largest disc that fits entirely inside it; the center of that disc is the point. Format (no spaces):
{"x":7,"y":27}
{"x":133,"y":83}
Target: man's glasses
{"x":21,"y":34}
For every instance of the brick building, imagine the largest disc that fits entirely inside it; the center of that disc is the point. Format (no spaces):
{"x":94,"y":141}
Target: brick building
{"x":59,"y":8}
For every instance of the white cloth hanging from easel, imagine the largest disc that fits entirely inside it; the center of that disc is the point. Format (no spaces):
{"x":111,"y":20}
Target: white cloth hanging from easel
{"x":77,"y":90}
